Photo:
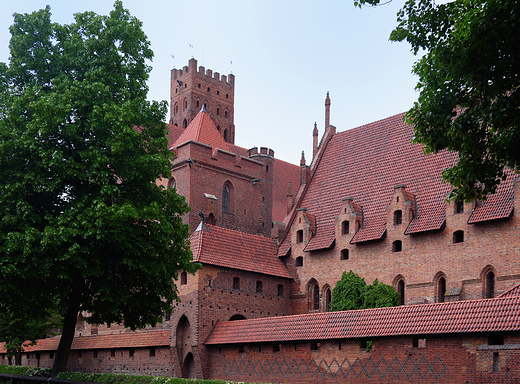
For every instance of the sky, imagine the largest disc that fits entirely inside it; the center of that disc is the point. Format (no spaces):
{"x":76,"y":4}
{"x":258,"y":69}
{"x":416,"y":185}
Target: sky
{"x":285,"y":55}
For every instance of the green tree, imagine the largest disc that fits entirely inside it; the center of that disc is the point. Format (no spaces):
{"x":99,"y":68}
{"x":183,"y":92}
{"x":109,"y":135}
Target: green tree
{"x":347,"y":294}
{"x":82,"y":221}
{"x":469,"y":78}
{"x":380,"y":295}
{"x":352,"y":292}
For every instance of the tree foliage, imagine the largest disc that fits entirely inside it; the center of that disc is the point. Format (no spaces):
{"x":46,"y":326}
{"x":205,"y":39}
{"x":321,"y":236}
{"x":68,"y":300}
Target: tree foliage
{"x":83,"y":223}
{"x":352,"y":292}
{"x":469,"y":76}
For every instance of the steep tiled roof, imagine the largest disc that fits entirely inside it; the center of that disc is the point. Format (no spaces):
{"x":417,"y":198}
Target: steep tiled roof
{"x":121,"y":340}
{"x":366,"y":163}
{"x":232,"y":249}
{"x":203,"y":130}
{"x":283,"y":174}
{"x":497,"y":206}
{"x":489,"y":315}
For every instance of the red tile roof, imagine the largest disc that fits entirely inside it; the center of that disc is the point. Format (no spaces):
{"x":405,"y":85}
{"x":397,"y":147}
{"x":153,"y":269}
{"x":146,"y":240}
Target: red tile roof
{"x":489,"y":315}
{"x":515,"y":291}
{"x":498,"y":205}
{"x":202,"y":129}
{"x":232,"y":249}
{"x":120,"y":340}
{"x":366,"y":163}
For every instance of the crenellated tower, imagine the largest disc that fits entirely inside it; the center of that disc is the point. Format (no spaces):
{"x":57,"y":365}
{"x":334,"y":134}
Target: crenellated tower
{"x":191,"y":88}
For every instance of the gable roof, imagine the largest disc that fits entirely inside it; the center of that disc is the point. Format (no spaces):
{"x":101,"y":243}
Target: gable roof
{"x":238,"y":250}
{"x":489,"y":315}
{"x":366,"y":163}
{"x":120,"y":340}
{"x":202,"y":129}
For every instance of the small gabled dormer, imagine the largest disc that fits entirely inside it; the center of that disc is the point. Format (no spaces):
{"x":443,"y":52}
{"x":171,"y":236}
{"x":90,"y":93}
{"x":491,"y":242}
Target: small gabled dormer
{"x":402,"y":209}
{"x":303,"y":227}
{"x":349,"y":219}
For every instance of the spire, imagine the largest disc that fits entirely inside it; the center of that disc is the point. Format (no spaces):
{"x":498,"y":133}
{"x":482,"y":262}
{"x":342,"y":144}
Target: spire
{"x":302,"y":161}
{"x":314,"y":140}
{"x":327,"y":110}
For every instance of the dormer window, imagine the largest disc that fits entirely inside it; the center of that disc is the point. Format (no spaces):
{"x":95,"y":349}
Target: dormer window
{"x":398,"y":217}
{"x":299,"y":236}
{"x":299,"y":261}
{"x":345,"y":227}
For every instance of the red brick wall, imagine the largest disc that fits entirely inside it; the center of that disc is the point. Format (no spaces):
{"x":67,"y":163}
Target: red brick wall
{"x":390,"y":360}
{"x":251,"y":192}
{"x":423,"y":256}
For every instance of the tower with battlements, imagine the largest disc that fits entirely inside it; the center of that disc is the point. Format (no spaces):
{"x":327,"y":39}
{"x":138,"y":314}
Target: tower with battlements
{"x":193,"y":87}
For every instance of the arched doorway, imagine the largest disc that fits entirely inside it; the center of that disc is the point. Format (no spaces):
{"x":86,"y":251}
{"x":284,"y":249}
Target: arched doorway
{"x":188,"y":367}
{"x":183,"y":341}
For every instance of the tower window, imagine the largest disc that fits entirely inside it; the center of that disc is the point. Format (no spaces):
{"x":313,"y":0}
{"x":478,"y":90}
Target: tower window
{"x":397,"y":246}
{"x":458,"y":236}
{"x":299,"y":261}
{"x":208,"y":89}
{"x":344,"y":254}
{"x":227,"y":96}
{"x":345,"y":227}
{"x":199,"y":85}
{"x":398,"y":217}
{"x":299,"y":236}
{"x":225,"y":135}
{"x":198,"y":104}
{"x":218,"y":92}
{"x":225,"y":114}
{"x":218,"y":111}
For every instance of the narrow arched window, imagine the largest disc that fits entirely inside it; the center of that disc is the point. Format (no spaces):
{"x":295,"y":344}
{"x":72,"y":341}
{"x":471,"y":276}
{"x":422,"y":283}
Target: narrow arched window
{"x":185,"y":123}
{"x":490,"y":285}
{"x":398,"y":217}
{"x":441,"y":289}
{"x":316,"y":298}
{"x":400,"y":291}
{"x":184,"y":278}
{"x":345,"y":227}
{"x":328,"y":298}
{"x":227,"y":198}
{"x":225,"y":135}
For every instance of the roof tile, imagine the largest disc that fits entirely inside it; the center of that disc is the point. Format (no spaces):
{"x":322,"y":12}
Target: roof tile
{"x":489,"y":315}
{"x":232,"y":249}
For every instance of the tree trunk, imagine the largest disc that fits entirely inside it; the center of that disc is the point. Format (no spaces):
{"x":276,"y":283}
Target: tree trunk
{"x":18,"y":356}
{"x":67,"y":335}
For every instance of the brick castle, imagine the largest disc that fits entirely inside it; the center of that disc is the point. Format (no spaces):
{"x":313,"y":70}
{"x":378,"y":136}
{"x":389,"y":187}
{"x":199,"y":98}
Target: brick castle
{"x":274,"y":238}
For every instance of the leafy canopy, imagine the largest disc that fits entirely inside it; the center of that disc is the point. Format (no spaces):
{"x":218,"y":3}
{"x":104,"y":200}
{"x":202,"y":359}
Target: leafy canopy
{"x":469,"y":76}
{"x":83,"y":224}
{"x":351,"y":292}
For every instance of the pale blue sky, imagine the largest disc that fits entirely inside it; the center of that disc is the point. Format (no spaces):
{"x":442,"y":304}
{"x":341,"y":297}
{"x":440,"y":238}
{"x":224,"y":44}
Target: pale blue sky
{"x":285,"y":54}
